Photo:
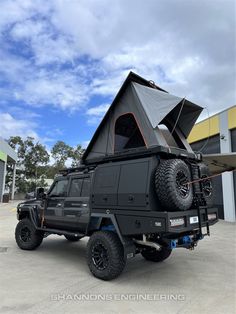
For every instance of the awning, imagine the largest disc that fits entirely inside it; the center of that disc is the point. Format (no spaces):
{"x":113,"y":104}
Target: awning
{"x":219,"y":163}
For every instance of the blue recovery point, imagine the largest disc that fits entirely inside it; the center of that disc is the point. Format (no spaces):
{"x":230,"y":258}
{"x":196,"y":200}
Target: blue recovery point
{"x":187,"y":239}
{"x":173,"y":244}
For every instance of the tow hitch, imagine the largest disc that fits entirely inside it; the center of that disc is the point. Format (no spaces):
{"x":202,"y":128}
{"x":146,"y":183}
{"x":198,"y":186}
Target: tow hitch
{"x":187,"y":242}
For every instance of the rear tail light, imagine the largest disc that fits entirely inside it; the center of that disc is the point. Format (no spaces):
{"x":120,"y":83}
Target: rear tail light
{"x":212,"y":216}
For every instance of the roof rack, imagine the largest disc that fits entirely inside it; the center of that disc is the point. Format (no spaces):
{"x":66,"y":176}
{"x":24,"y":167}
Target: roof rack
{"x":81,"y":168}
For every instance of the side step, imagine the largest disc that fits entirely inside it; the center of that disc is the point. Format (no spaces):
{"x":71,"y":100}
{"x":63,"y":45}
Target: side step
{"x":62,"y":232}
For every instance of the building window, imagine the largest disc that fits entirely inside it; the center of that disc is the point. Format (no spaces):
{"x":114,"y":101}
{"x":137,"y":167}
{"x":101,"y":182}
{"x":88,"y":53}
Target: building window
{"x":127,"y":133}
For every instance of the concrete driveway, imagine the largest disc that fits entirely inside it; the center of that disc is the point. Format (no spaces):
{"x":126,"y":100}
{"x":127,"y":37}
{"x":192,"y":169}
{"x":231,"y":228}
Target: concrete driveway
{"x":55,"y":277}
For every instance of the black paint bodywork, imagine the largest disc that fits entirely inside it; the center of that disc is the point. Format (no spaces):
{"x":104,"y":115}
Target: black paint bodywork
{"x":122,"y":195}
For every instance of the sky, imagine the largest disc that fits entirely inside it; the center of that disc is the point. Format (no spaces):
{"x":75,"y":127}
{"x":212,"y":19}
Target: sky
{"x":63,"y":61}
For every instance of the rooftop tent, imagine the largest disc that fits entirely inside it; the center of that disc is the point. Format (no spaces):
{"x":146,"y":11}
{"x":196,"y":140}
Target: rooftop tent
{"x":134,"y":118}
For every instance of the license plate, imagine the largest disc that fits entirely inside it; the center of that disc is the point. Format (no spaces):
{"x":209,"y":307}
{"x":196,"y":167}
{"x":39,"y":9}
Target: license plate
{"x":194,"y":220}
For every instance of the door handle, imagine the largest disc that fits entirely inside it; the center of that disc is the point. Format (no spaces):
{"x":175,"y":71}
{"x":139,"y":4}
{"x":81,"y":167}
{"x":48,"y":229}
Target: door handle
{"x":131,"y":198}
{"x":59,"y":205}
{"x":79,"y":204}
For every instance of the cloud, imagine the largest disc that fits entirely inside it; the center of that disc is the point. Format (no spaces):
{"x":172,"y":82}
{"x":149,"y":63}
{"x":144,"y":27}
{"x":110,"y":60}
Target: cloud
{"x":63,"y":53}
{"x":14,"y":127}
{"x":46,"y":45}
{"x":163,"y":41}
{"x":21,"y":113}
{"x":62,"y":90}
{"x":98,"y":111}
{"x":23,"y":124}
{"x":95,"y":114}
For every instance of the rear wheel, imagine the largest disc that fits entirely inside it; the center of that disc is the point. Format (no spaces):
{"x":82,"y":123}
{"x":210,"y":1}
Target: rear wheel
{"x":72,"y":238}
{"x":105,"y":255}
{"x":27,"y":237}
{"x":154,"y":255}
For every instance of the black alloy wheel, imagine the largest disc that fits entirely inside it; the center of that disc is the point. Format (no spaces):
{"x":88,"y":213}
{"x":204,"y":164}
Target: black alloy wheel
{"x":100,"y":256}
{"x":182,"y":184}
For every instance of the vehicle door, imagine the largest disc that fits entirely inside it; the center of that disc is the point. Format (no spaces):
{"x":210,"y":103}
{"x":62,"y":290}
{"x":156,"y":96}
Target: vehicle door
{"x":76,"y":208}
{"x":53,"y":212}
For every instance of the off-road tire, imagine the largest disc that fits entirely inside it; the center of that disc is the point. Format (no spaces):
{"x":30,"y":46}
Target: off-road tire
{"x":154,"y":255}
{"x":27,"y":237}
{"x":108,"y":245}
{"x":72,"y":238}
{"x":172,"y":195}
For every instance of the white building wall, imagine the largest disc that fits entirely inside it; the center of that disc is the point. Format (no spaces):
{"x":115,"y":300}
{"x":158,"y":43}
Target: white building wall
{"x":227,"y":177}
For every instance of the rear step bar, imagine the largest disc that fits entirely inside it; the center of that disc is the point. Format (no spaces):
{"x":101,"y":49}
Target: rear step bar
{"x":206,"y":221}
{"x":201,"y":202}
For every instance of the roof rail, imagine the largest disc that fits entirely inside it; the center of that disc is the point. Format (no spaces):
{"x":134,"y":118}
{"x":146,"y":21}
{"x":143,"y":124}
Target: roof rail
{"x":81,"y":168}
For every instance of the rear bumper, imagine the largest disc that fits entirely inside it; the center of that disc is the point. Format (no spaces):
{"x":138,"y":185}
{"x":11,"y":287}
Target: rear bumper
{"x":189,"y":220}
{"x":160,"y":222}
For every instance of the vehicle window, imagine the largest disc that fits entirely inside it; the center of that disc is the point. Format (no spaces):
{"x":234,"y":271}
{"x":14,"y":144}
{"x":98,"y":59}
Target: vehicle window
{"x":75,"y":188}
{"x":60,"y":188}
{"x":86,"y":187}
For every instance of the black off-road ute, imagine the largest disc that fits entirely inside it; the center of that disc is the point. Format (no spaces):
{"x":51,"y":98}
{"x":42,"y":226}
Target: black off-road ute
{"x":140,"y":187}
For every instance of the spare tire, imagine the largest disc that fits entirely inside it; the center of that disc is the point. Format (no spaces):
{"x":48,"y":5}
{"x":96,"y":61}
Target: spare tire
{"x":171,"y":181}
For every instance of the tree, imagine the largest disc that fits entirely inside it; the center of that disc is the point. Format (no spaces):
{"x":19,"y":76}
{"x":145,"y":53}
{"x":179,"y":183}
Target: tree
{"x":15,"y":142}
{"x":31,"y":156}
{"x":61,"y":152}
{"x":76,"y":155}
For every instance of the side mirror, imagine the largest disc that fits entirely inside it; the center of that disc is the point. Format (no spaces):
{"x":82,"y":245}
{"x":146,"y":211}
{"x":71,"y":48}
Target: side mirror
{"x":40,"y":193}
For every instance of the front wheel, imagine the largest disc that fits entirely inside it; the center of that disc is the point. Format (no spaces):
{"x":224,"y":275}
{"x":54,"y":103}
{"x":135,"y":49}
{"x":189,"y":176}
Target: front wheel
{"x":27,"y":237}
{"x":154,"y":255}
{"x":105,"y":255}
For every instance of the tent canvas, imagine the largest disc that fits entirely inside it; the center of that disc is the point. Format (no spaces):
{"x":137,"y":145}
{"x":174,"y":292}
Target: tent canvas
{"x":160,"y":106}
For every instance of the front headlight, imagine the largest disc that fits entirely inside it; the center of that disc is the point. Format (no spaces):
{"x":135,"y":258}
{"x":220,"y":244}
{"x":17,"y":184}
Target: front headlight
{"x":19,"y":206}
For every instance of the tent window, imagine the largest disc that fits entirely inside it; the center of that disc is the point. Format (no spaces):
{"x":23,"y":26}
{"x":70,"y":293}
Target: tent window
{"x":127,"y":133}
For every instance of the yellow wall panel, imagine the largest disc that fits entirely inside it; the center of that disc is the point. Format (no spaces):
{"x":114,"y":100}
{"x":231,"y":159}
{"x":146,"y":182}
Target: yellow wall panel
{"x":232,"y":118}
{"x":202,"y":130}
